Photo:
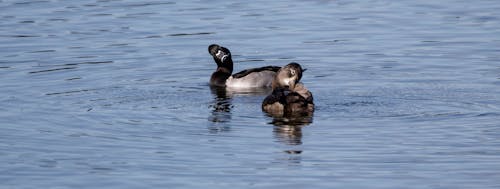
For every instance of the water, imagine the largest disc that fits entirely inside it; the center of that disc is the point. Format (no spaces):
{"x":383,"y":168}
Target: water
{"x":114,"y":93}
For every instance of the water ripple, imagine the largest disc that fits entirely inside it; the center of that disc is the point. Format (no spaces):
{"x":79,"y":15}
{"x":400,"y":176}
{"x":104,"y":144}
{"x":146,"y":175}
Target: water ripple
{"x":405,"y":91}
{"x":51,"y":70}
{"x":190,"y":34}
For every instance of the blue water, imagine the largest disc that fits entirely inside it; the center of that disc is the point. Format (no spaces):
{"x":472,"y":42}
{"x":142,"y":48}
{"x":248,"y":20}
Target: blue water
{"x":115,"y":94}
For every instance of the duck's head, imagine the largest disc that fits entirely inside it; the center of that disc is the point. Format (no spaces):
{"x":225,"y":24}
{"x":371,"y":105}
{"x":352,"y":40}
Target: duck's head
{"x":288,"y":76}
{"x":222,"y":55}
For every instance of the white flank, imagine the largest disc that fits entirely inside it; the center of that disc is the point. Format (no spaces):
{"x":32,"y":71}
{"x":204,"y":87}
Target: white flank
{"x":252,"y":80}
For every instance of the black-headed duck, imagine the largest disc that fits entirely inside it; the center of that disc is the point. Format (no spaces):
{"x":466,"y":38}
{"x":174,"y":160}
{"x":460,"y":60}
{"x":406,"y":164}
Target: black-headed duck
{"x":250,"y":78}
{"x":289,"y":96}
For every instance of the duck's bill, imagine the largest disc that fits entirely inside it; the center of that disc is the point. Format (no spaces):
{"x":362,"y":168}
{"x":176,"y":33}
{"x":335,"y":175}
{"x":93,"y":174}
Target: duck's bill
{"x":291,"y":85}
{"x":213,"y":48}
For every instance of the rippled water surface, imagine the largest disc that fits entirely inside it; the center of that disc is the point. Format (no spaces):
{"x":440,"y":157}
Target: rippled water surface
{"x":114,"y":93}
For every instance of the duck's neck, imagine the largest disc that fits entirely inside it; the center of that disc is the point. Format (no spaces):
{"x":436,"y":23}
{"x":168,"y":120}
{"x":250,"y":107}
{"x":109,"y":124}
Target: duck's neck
{"x":220,"y":76}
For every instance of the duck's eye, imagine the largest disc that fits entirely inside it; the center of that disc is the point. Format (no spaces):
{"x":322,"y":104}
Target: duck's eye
{"x":292,"y":72}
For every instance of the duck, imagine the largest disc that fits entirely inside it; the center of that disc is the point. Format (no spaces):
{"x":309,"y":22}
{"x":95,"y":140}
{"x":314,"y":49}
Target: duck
{"x":289,"y":96}
{"x":249,"y":78}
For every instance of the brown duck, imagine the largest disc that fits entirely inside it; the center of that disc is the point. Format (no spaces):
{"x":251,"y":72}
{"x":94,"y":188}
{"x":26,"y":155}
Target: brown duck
{"x":289,"y":96}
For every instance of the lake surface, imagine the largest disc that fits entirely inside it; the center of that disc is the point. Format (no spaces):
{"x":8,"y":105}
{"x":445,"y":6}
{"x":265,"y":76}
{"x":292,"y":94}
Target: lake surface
{"x":114,"y":94}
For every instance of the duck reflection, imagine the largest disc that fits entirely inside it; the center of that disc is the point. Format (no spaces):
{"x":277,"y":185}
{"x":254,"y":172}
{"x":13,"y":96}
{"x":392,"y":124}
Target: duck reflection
{"x":221,"y":105}
{"x":288,"y":129}
{"x":220,"y":110}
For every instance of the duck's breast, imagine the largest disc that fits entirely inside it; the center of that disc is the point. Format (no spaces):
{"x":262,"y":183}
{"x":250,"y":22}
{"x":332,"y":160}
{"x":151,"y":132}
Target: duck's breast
{"x":254,"y":79}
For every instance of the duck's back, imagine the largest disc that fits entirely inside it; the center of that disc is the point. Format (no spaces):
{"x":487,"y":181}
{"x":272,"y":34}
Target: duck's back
{"x":286,"y":102}
{"x":275,"y":103}
{"x":295,"y":103}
